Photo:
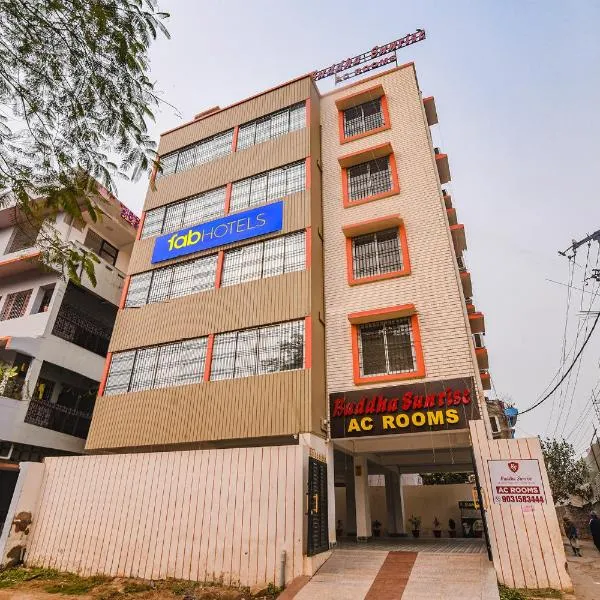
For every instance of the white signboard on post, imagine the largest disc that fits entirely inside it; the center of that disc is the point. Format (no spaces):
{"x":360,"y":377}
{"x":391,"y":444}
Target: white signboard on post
{"x":516,"y":481}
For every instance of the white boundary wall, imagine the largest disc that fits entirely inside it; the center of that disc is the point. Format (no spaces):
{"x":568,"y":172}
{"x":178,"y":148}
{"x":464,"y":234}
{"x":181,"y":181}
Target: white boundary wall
{"x":200,"y":515}
{"x":527,"y":547}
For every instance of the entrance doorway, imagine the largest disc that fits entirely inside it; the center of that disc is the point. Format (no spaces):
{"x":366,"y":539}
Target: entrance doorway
{"x":8,"y":481}
{"x":318,"y":530}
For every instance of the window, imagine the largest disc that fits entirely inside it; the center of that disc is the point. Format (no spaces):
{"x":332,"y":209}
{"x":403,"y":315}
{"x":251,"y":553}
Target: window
{"x":257,"y":351}
{"x":386,"y":347}
{"x":181,"y":363}
{"x":369,"y":179}
{"x":495,"y":423}
{"x":362,"y":118}
{"x":268,"y":186}
{"x":15,"y":305}
{"x":24,"y":236}
{"x":272,"y":126}
{"x":46,"y":299}
{"x":177,"y":280}
{"x":196,"y":154}
{"x":376,"y":254}
{"x":199,"y":209}
{"x":265,"y":259}
{"x":101,"y":247}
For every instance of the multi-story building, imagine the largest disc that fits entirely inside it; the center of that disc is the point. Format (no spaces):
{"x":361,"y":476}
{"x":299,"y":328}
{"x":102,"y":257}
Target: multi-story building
{"x":55,"y":333}
{"x":297,"y":316}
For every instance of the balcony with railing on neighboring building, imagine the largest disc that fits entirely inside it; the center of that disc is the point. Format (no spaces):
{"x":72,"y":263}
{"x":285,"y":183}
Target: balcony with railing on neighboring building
{"x":486,"y":380}
{"x":447,"y":198}
{"x":459,"y":238}
{"x":465,"y":279}
{"x":56,"y":417}
{"x":430,"y":110}
{"x":443,"y":167}
{"x":81,"y":329}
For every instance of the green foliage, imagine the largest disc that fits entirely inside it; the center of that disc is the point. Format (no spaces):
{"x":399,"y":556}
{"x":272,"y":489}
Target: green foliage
{"x":73,"y":585}
{"x":507,"y":593}
{"x":415,"y":521}
{"x":132,"y":587}
{"x":567,"y":476}
{"x":444,"y":478}
{"x":13,"y":577}
{"x":75,"y":97}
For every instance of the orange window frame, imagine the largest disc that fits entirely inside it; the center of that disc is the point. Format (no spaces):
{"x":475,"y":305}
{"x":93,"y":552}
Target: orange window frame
{"x":406,"y":269}
{"x":386,"y":120}
{"x":395,"y":189}
{"x":357,"y":319}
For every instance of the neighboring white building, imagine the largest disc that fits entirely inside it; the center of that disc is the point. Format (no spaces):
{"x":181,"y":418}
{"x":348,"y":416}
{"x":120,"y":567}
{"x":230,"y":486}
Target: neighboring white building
{"x":55,"y":332}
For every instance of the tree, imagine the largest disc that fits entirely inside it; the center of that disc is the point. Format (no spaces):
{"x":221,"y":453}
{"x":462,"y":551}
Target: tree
{"x":74,"y":100}
{"x":444,"y":478}
{"x":567,"y":476}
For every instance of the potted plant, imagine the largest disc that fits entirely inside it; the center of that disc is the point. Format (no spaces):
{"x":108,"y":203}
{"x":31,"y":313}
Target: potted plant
{"x":339,"y":529}
{"x":376,"y":528}
{"x":437,"y":532}
{"x":451,"y":528}
{"x":415,"y":523}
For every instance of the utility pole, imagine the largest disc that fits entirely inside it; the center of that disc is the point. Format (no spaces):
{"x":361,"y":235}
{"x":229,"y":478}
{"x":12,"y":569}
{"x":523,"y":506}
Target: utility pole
{"x":573,"y":247}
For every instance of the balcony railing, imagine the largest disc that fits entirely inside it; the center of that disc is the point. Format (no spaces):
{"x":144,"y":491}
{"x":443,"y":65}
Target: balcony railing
{"x":58,"y":418}
{"x":12,"y":388}
{"x":73,"y":326}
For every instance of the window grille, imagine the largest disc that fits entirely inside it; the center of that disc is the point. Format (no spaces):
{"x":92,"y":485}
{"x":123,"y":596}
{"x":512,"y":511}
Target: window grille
{"x":257,"y":351}
{"x":170,"y":282}
{"x":199,"y":209}
{"x":101,"y":247}
{"x":272,"y":126}
{"x":268,"y":186}
{"x":15,"y":305}
{"x":201,"y":152}
{"x":376,"y":253}
{"x":180,"y":363}
{"x":386,"y":347}
{"x":369,"y":178}
{"x":264,"y":259}
{"x":24,"y":236}
{"x":362,"y":118}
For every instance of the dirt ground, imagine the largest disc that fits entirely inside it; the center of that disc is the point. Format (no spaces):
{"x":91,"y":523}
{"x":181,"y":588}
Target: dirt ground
{"x":584,"y":571}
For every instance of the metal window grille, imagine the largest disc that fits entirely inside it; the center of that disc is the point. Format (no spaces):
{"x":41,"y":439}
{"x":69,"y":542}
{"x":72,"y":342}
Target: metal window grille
{"x":362,"y":118}
{"x":198,"y":209}
{"x":369,"y":178}
{"x":101,"y":247}
{"x":174,"y":281}
{"x":81,"y":329}
{"x":258,"y":351}
{"x":386,"y":347}
{"x":196,"y":154}
{"x":24,"y":236}
{"x":15,"y":305}
{"x":268,"y":186}
{"x":46,"y":299}
{"x":264,"y":259}
{"x":272,"y":126}
{"x":167,"y":365}
{"x":376,"y":253}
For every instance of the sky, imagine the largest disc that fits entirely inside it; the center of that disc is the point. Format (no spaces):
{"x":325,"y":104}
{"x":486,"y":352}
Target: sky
{"x":517,"y":90}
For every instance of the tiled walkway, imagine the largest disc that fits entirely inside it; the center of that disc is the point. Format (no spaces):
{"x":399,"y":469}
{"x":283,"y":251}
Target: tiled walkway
{"x":444,"y":545}
{"x":361,"y":573}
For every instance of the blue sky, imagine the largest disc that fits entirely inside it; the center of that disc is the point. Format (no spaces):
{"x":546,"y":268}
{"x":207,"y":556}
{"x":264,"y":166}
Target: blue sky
{"x":517,"y":86}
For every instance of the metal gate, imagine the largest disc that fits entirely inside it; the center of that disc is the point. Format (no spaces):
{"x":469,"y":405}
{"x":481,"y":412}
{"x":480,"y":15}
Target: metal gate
{"x":318,"y":531}
{"x":482,"y":507}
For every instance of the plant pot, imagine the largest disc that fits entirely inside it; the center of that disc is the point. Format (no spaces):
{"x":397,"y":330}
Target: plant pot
{"x":415,"y":533}
{"x":452,"y":533}
{"x":437,"y":533}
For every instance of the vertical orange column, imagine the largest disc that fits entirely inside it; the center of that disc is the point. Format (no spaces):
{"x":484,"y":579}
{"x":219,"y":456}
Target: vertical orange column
{"x":124,"y":292}
{"x":307,"y":174}
{"x":209,"y":353}
{"x":307,"y":342}
{"x":228,"y":198}
{"x":102,"y":384}
{"x":308,"y":247}
{"x":140,"y":226}
{"x":219,"y":272}
{"x":236,"y":131}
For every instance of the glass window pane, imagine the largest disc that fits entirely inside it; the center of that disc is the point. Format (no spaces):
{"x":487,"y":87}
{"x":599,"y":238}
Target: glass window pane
{"x":204,"y":207}
{"x":139,"y":286}
{"x":252,"y":257}
{"x":269,"y":349}
{"x":388,"y":251}
{"x":144,"y":369}
{"x":292,"y":345}
{"x":399,"y":346}
{"x":372,"y":349}
{"x":246,"y":135}
{"x":277,"y":184}
{"x":246,"y":355}
{"x":280,"y":123}
{"x":119,"y":375}
{"x":153,"y":222}
{"x":193,"y":277}
{"x":258,"y":190}
{"x":169,"y":359}
{"x":240,"y":194}
{"x":263,"y":130}
{"x":168,"y":164}
{"x":297,"y":116}
{"x":174,"y":217}
{"x":188,"y":158}
{"x":273,"y":257}
{"x":364,"y":256}
{"x":295,"y":252}
{"x":296,"y":180}
{"x":160,"y":289}
{"x":223,"y":361}
{"x":192,"y":359}
{"x":232,"y":267}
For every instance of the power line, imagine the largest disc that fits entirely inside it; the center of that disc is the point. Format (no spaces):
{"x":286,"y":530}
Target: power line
{"x":566,"y":373}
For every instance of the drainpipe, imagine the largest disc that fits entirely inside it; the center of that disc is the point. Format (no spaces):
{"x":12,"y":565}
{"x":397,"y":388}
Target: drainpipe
{"x":282,"y":569}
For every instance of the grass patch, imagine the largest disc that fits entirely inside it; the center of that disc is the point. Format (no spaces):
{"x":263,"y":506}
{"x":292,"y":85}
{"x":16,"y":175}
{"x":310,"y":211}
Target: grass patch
{"x":18,"y":575}
{"x":132,"y":587}
{"x":73,"y":585}
{"x":507,"y":593}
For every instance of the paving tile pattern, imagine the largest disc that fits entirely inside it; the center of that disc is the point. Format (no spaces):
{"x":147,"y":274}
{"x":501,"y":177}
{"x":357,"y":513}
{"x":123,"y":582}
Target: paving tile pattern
{"x":392,"y":577}
{"x":444,"y":546}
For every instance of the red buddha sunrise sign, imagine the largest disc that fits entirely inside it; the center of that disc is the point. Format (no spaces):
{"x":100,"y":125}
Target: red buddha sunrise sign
{"x":432,"y":406}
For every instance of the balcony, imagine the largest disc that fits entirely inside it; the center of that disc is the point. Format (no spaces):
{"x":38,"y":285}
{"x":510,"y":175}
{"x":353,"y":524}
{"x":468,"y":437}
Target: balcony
{"x":82,"y":331}
{"x":486,"y":381}
{"x":58,"y":418}
{"x":447,"y":199}
{"x":465,"y":278}
{"x":477,"y":322}
{"x":458,"y":238}
{"x":443,"y":167}
{"x":482,"y":359}
{"x":430,"y":110}
{"x":451,"y":212}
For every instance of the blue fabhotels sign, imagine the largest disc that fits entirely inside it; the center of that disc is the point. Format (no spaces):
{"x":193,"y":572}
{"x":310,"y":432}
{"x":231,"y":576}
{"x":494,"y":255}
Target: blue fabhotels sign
{"x":233,"y":228}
